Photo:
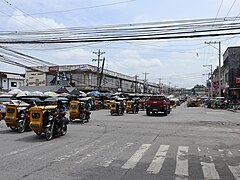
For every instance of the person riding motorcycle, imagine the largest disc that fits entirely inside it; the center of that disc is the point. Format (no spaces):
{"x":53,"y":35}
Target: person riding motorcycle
{"x":88,"y":107}
{"x":60,"y":112}
{"x":31,"y":104}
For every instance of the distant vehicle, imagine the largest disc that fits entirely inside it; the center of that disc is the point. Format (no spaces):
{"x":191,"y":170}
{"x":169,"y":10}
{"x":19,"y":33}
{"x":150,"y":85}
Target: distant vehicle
{"x":4,"y":100}
{"x":157,"y":104}
{"x":193,"y":102}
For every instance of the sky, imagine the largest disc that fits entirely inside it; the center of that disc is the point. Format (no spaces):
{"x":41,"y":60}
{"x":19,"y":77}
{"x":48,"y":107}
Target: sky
{"x":178,"y":62}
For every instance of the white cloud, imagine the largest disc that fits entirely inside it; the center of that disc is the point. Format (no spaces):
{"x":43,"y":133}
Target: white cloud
{"x":72,"y":56}
{"x":19,"y":21}
{"x":130,"y":62}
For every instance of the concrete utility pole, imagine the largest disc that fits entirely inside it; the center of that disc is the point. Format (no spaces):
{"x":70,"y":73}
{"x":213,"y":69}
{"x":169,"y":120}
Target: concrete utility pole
{"x":169,"y":90}
{"x":98,"y":53}
{"x":210,"y":65}
{"x":160,"y":85}
{"x":145,"y":81}
{"x":219,"y":63}
{"x":136,"y":76}
{"x":101,"y":74}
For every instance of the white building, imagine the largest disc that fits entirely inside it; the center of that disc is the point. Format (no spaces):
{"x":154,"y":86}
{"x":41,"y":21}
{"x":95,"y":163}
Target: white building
{"x":85,"y":77}
{"x":9,"y":81}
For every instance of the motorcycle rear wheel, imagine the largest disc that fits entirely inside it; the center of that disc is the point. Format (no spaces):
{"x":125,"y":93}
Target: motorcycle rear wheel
{"x":21,"y":127}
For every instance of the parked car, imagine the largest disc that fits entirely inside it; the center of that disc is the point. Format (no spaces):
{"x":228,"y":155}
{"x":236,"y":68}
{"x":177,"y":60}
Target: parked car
{"x":4,"y":100}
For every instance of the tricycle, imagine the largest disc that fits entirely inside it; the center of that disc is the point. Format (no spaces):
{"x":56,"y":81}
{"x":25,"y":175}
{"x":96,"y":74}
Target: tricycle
{"x":44,"y":120}
{"x":17,"y":117}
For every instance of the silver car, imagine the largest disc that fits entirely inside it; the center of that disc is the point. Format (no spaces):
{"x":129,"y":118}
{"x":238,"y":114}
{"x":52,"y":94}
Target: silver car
{"x":4,"y":100}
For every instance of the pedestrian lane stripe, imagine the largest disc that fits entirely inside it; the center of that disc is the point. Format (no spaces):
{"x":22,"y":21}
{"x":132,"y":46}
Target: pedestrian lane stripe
{"x":158,"y":160}
{"x":182,"y":170}
{"x":135,"y":158}
{"x":209,"y":171}
{"x":235,"y":171}
{"x":108,"y":162}
{"x":182,"y":161}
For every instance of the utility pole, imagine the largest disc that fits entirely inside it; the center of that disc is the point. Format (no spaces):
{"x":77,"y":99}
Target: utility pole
{"x":136,"y":76}
{"x":101,"y":75}
{"x":145,"y":82}
{"x":210,"y":65}
{"x":160,"y":85}
{"x":98,"y":53}
{"x":169,"y":88}
{"x":219,"y":64}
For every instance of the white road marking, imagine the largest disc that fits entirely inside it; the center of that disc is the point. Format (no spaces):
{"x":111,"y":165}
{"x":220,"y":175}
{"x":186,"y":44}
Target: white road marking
{"x":76,"y":151}
{"x":235,"y":171}
{"x":182,"y":161}
{"x":108,"y":162}
{"x":158,"y":160}
{"x":209,"y":171}
{"x":230,"y":154}
{"x":26,"y":149}
{"x":217,"y":112}
{"x":94,"y":153}
{"x":132,"y":162}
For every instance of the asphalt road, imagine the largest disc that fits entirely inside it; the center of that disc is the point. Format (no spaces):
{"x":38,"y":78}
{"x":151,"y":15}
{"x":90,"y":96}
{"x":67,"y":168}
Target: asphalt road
{"x":189,"y":143}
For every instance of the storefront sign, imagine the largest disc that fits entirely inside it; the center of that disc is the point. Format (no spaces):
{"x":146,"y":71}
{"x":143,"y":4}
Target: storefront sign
{"x":53,"y":69}
{"x":237,"y":80}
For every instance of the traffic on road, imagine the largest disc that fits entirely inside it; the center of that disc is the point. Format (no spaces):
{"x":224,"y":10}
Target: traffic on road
{"x":121,"y":141}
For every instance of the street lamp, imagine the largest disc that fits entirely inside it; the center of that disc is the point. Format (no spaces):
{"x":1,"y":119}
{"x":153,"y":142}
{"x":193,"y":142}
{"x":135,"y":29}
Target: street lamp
{"x":210,"y":65}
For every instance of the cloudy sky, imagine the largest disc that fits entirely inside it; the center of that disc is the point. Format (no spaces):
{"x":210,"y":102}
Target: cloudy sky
{"x":178,"y":62}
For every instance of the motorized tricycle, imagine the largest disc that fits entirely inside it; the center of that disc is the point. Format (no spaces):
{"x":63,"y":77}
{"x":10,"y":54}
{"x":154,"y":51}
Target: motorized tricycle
{"x":141,"y":104}
{"x":106,"y":104}
{"x":132,"y":106}
{"x":78,"y":111}
{"x":116,"y":108}
{"x":44,"y":120}
{"x":17,"y":117}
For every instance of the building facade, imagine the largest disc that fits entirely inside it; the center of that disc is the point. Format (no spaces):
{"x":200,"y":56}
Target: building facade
{"x":9,"y":81}
{"x":231,"y":71}
{"x":87,"y":77}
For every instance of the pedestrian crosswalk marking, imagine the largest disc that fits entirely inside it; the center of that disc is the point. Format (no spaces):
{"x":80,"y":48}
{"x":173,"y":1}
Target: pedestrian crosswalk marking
{"x":182,"y":170}
{"x":209,"y":171}
{"x":158,"y":160}
{"x":182,"y":161}
{"x":132,"y":162}
{"x":108,"y":162}
{"x":235,"y":171}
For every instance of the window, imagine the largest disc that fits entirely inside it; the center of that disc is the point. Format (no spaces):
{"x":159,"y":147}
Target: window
{"x":13,"y":84}
{"x":37,"y":82}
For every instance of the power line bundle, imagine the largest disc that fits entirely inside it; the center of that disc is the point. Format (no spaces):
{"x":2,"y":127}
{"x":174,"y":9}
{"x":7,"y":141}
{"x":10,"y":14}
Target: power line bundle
{"x":138,"y":31}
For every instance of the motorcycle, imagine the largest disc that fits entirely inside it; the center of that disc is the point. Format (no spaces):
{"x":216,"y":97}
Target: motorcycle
{"x":79,"y":111}
{"x":53,"y":127}
{"x":132,"y":106}
{"x":23,"y":121}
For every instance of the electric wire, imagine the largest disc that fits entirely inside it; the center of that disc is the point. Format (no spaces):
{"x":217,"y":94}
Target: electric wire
{"x":130,"y":32}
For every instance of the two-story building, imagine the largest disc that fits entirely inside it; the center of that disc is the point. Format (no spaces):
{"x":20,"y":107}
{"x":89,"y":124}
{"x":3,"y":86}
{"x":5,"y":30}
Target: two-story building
{"x":86,"y":77}
{"x":231,"y":71}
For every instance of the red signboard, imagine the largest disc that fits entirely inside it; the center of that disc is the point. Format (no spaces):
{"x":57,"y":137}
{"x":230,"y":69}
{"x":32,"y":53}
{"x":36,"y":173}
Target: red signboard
{"x":215,"y":85}
{"x":237,"y":80}
{"x":53,"y":69}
